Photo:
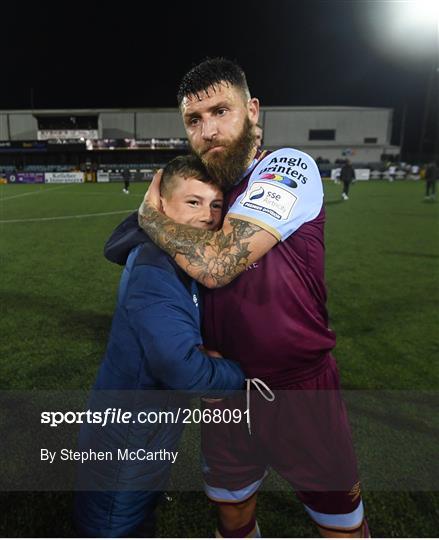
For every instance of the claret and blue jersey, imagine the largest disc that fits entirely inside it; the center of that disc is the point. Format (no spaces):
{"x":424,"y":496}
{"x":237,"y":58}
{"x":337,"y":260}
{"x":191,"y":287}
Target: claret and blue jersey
{"x":282,"y":192}
{"x":277,"y":306}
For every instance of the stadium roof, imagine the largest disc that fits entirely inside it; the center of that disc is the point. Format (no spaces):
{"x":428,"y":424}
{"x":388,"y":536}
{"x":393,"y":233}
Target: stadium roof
{"x":167,"y":109}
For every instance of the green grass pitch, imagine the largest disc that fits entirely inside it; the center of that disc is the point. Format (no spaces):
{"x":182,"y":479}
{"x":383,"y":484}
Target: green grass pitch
{"x":382,"y":270}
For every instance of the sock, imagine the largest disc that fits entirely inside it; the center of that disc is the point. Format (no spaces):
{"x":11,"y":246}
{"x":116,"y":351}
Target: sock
{"x":251,"y":530}
{"x":366,"y":532}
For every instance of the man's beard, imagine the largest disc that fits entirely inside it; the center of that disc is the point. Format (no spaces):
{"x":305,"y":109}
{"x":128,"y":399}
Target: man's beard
{"x":228,"y":165}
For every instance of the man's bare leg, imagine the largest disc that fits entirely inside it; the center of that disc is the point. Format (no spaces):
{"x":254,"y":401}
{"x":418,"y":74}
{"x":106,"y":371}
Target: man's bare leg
{"x":238,"y":518}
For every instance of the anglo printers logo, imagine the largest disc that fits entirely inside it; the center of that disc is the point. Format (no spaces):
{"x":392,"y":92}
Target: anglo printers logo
{"x":285,"y":168}
{"x":279,"y":178}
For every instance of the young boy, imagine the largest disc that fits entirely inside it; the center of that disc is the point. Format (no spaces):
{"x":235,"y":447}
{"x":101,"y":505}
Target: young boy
{"x":154,"y":344}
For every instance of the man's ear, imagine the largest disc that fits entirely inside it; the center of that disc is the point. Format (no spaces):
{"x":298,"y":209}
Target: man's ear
{"x":163,"y":204}
{"x":253,"y":110}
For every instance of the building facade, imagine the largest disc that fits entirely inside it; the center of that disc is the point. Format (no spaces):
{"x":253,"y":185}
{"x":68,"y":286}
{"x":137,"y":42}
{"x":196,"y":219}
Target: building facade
{"x":361,"y":134}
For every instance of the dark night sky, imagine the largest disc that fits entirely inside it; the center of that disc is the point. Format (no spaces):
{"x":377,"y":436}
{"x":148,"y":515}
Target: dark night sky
{"x":134,"y":53}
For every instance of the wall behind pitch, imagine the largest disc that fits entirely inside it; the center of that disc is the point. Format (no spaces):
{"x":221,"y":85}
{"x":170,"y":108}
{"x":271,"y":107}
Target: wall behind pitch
{"x":160,"y":124}
{"x":23,"y":127}
{"x":4,"y":131}
{"x":356,"y":154}
{"x":117,"y":125}
{"x":284,"y":127}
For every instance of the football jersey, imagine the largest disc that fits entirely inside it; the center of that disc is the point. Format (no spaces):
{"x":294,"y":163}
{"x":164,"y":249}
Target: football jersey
{"x":272,"y":318}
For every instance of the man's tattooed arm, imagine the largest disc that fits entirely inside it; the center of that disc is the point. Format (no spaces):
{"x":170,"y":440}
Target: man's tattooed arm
{"x":214,"y":258}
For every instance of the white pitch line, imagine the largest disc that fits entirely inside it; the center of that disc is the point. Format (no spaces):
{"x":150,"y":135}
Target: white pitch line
{"x":30,"y":193}
{"x":58,"y":218}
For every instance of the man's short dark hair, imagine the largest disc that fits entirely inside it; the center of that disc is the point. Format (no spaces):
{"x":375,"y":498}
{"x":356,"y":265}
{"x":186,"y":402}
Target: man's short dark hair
{"x":209,"y":74}
{"x":189,"y":166}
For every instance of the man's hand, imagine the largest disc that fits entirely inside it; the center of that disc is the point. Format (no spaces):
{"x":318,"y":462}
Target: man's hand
{"x":152,"y":196}
{"x":214,"y":354}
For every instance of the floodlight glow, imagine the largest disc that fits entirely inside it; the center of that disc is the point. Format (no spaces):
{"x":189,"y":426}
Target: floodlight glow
{"x":419,"y":12}
{"x":405,"y":30}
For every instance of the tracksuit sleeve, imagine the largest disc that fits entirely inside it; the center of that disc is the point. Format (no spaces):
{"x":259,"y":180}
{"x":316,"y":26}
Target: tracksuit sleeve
{"x":164,"y":318}
{"x":123,"y":239}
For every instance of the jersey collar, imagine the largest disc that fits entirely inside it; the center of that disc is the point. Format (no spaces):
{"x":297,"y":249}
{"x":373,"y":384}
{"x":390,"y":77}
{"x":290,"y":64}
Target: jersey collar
{"x":258,"y":157}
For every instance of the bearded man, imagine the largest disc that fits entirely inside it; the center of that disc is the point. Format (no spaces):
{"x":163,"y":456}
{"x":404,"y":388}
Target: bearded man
{"x":265,"y":307}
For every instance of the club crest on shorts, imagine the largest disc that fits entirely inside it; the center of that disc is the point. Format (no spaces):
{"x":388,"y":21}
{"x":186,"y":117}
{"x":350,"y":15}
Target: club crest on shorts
{"x":355,"y":492}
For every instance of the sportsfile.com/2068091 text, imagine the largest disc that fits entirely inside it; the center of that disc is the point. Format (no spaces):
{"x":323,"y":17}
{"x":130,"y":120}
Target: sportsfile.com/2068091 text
{"x":118,"y":416}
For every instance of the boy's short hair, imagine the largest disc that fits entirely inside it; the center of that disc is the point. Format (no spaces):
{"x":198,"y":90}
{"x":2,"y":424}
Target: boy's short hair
{"x":185,"y":166}
{"x":209,"y":74}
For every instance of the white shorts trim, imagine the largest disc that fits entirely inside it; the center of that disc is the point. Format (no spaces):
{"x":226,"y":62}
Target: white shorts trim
{"x":232,"y":496}
{"x":351,"y":520}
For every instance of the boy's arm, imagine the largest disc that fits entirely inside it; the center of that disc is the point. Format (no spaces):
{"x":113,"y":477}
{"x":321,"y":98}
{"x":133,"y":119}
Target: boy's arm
{"x":170,"y":337}
{"x":123,"y":239}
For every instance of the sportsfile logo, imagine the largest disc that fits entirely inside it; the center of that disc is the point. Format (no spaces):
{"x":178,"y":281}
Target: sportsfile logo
{"x":271,"y":199}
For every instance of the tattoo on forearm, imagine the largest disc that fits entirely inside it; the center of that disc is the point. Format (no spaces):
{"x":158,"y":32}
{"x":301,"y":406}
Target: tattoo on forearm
{"x":212,"y":258}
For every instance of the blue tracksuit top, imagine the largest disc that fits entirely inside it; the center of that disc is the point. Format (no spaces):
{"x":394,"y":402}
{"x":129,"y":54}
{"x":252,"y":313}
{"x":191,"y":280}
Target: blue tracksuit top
{"x":155,"y":334}
{"x":154,"y":344}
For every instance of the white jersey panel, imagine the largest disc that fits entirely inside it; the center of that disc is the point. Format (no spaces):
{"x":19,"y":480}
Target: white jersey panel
{"x":284,"y":191}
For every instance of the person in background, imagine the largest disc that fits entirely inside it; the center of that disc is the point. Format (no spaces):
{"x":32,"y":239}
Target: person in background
{"x":347,"y":175}
{"x":431,"y":176}
{"x":391,"y":171}
{"x":126,"y":178}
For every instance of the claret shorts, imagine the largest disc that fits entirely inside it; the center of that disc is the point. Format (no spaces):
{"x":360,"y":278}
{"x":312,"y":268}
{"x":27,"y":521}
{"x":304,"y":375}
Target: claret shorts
{"x":304,"y":435}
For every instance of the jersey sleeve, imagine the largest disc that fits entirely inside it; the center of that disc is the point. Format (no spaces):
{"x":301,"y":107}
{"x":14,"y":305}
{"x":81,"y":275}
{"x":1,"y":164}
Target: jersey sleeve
{"x":284,"y":192}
